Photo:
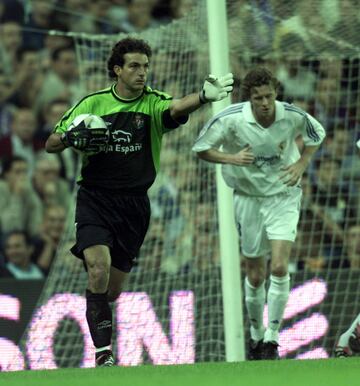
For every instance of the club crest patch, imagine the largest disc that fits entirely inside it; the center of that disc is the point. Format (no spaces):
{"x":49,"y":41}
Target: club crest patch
{"x":138,"y":121}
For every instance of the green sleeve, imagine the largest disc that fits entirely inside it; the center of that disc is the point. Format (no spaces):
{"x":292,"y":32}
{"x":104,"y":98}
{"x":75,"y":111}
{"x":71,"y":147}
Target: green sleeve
{"x":164,"y":122}
{"x":159,"y":108}
{"x":83,"y":107}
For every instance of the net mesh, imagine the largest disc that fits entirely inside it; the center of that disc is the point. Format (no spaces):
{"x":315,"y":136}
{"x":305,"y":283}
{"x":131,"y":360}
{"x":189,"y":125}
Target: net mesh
{"x":314,"y":51}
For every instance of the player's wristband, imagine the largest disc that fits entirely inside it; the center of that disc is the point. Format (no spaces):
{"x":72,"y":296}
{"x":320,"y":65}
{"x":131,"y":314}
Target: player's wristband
{"x":202,"y":97}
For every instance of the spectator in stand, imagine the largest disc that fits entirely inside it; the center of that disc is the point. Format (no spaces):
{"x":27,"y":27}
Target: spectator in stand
{"x":164,"y":200}
{"x":304,"y":22}
{"x":21,"y":142}
{"x":92,"y":17}
{"x":61,"y":81}
{"x":117,"y":11}
{"x":47,"y":183}
{"x":165,"y":11}
{"x":206,"y":240}
{"x":69,"y":266}
{"x":249,"y":21}
{"x":42,"y":17}
{"x":298,"y":81}
{"x":10,"y":41}
{"x":339,"y":145}
{"x":333,"y":204}
{"x":329,"y":106}
{"x":6,"y":107}
{"x":180,"y":8}
{"x":17,"y":251}
{"x":21,"y":88}
{"x":282,"y":9}
{"x":98,"y":20}
{"x":296,"y":75}
{"x":49,"y":237}
{"x":51,"y":43}
{"x":153,"y":249}
{"x":12,"y":9}
{"x":329,"y":12}
{"x":205,"y":251}
{"x":96,"y":78}
{"x":331,"y":67}
{"x":308,"y":251}
{"x":50,"y":115}
{"x":71,"y":13}
{"x":352,"y":245}
{"x":345,"y":31}
{"x":28,"y":77}
{"x":138,"y":17}
{"x":344,"y":72}
{"x":4,"y":273}
{"x":20,"y":208}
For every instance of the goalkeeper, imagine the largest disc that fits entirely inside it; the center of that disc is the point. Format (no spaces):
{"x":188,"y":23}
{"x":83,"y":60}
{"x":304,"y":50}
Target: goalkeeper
{"x":112,"y":209}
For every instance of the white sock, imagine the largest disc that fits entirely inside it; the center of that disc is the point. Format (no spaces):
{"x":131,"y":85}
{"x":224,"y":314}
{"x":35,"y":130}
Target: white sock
{"x":255,"y":301}
{"x":277,"y":297}
{"x":102,"y":349}
{"x":344,"y":338}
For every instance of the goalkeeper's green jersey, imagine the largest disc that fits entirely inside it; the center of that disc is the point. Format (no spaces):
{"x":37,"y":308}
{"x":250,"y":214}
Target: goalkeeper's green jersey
{"x":136,"y":129}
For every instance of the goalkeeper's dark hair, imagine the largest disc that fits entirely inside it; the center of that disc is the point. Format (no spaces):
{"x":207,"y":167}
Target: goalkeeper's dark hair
{"x":257,"y":77}
{"x":125,"y":46}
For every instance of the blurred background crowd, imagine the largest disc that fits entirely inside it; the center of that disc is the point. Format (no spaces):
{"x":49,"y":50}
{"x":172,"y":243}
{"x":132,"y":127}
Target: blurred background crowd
{"x":39,"y":81}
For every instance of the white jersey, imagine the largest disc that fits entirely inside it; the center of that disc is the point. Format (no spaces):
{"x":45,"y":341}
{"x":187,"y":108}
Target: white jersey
{"x":274,"y":147}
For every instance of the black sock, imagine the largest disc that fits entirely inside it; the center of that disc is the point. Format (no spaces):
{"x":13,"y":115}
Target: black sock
{"x":99,"y":318}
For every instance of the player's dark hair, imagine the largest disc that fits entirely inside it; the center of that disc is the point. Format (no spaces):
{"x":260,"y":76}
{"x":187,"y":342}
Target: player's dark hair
{"x":257,"y":77}
{"x":55,"y":55}
{"x":22,"y":51}
{"x":17,"y":232}
{"x":7,"y":163}
{"x":125,"y":46}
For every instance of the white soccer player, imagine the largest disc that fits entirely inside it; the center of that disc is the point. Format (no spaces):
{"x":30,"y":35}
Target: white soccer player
{"x":262,"y":163}
{"x":349,"y":342}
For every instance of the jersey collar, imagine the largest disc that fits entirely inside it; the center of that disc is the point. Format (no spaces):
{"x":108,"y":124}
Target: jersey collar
{"x":249,"y":116}
{"x":116,"y":96}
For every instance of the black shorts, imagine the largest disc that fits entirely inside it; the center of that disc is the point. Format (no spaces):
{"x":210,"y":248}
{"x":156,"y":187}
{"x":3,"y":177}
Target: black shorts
{"x":108,"y":218}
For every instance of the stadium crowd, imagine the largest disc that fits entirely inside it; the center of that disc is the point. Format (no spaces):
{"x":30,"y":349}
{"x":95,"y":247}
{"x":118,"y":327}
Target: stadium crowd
{"x":39,"y":81}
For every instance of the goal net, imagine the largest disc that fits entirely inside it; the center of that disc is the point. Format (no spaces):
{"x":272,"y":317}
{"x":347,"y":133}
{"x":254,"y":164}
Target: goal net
{"x":313,"y":49}
{"x":171,"y":311}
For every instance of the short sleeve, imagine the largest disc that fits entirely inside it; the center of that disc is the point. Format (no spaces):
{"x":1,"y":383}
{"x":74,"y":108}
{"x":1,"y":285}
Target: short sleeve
{"x":210,"y":137}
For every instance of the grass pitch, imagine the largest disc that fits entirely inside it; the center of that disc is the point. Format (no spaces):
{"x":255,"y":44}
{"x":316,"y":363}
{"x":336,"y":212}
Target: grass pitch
{"x":327,"y":372}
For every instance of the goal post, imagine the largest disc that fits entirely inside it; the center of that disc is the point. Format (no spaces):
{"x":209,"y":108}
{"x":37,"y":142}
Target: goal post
{"x":228,"y":238}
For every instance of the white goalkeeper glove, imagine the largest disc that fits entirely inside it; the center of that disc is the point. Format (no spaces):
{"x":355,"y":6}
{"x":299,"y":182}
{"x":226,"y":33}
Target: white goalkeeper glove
{"x":215,"y":89}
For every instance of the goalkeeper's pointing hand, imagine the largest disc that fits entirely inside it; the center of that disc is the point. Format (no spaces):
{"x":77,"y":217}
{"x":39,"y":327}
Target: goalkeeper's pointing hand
{"x":216,"y":89}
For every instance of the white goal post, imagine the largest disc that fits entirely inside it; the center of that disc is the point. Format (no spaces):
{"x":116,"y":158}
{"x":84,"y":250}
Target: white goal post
{"x":229,"y":245}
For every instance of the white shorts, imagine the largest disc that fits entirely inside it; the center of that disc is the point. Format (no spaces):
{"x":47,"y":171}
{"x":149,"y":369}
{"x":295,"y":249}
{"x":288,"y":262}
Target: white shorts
{"x":261,"y":219}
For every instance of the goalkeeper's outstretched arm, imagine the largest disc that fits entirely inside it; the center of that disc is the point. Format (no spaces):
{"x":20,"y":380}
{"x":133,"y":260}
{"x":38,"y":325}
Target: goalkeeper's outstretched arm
{"x":213,"y":90}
